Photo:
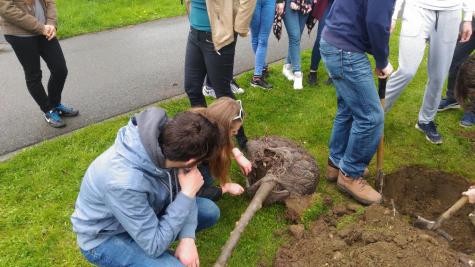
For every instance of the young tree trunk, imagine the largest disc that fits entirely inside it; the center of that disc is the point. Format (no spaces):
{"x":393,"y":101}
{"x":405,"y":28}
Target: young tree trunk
{"x":255,"y":205}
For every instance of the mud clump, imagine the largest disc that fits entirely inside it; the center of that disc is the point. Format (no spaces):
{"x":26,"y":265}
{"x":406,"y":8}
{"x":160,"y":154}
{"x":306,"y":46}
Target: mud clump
{"x":376,"y":239}
{"x":418,"y":191}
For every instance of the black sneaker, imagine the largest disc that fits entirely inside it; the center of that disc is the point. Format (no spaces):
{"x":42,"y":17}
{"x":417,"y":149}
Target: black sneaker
{"x":430,"y":130}
{"x":265,"y":71}
{"x":329,"y":81}
{"x":261,"y":83}
{"x":448,"y":103}
{"x":66,"y":111}
{"x":53,"y":119}
{"x":312,"y":78}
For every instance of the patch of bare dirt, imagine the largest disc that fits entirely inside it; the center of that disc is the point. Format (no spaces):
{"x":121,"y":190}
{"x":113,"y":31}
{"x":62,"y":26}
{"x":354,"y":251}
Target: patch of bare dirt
{"x":378,"y":238}
{"x":418,"y":191}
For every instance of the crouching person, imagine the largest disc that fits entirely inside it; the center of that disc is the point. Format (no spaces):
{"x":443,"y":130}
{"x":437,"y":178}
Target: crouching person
{"x":139,"y":196}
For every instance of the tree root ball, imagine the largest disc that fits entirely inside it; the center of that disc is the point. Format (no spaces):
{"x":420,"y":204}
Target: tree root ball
{"x":296,"y":171}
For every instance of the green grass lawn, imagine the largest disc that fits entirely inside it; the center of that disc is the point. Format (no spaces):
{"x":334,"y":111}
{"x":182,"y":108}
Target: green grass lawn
{"x":82,"y":16}
{"x":38,"y":187}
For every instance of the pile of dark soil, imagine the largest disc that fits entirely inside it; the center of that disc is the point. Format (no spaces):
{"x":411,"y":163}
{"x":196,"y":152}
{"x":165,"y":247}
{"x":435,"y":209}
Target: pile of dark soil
{"x":428,"y":193}
{"x":378,"y":238}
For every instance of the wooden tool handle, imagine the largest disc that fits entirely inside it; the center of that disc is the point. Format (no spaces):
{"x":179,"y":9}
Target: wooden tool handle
{"x":455,"y":207}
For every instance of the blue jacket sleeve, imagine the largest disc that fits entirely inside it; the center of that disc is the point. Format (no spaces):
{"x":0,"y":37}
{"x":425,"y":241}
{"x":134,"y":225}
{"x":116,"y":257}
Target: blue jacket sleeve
{"x":378,"y":22}
{"x":189,"y":229}
{"x":154,"y":235}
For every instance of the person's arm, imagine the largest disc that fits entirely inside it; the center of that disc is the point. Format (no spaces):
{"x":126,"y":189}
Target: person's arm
{"x":243,"y":17}
{"x":51,"y":15}
{"x":154,"y":235}
{"x":468,"y":7}
{"x":189,"y":228}
{"x":397,"y":9}
{"x":470,"y":193}
{"x":378,"y":20}
{"x":11,"y":13}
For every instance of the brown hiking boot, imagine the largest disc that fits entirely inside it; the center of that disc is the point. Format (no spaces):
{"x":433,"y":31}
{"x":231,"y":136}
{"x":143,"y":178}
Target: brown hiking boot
{"x":359,"y":189}
{"x":333,"y":171}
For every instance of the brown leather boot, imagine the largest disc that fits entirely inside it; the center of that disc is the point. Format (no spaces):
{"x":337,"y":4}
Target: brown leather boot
{"x":333,"y":170}
{"x":359,"y":189}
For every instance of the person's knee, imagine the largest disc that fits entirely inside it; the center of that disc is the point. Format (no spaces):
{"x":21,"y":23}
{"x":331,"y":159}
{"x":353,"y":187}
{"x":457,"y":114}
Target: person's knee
{"x":60,"y":71}
{"x":377,"y":118}
{"x":208,"y":212}
{"x":33,"y":77}
{"x":406,"y":73}
{"x":263,"y":40}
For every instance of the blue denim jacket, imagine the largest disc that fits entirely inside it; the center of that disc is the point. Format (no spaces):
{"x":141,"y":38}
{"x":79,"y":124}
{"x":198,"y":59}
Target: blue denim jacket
{"x":124,"y":191}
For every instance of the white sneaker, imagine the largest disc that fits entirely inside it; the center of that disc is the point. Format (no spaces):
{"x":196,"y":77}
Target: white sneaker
{"x":208,"y":91}
{"x":287,"y":71}
{"x":236,"y":88}
{"x":298,"y":77}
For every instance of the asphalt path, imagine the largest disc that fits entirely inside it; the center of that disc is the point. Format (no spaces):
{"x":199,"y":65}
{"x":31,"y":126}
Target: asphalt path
{"x":110,"y":73}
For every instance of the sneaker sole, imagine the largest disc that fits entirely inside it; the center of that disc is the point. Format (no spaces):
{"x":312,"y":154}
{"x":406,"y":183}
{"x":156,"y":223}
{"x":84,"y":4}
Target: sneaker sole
{"x":258,"y":86}
{"x":290,"y":78}
{"x":457,"y":106}
{"x":362,"y":201}
{"x":466,"y":126}
{"x":69,"y":114}
{"x":428,"y":139}
{"x":55,"y":125}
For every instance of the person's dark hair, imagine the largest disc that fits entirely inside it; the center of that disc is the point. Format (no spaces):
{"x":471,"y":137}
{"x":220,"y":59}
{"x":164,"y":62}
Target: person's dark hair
{"x":465,"y":83}
{"x":189,"y":135}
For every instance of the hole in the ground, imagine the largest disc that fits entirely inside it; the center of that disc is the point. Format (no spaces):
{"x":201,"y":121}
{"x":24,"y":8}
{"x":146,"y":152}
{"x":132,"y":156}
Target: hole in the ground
{"x":417,"y":190}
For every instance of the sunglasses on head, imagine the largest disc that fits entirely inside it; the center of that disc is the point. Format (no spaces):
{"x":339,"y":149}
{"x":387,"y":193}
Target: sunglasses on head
{"x":240,"y":116}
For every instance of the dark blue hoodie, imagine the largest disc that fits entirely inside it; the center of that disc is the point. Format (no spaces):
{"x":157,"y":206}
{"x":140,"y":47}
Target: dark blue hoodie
{"x":361,"y":26}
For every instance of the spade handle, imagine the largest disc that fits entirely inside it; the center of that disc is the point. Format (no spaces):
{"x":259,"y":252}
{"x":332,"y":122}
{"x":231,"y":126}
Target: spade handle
{"x":448,"y":213}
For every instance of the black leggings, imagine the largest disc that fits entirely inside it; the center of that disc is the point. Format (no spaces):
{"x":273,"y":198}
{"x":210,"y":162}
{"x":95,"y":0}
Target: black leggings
{"x":202,"y":60}
{"x":28,"y":51}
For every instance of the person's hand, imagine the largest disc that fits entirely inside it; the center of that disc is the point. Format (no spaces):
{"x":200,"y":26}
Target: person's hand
{"x":191,"y":181}
{"x":466,"y":32}
{"x":187,"y":253}
{"x":232,"y":188}
{"x":384,"y":73}
{"x":470,"y":193}
{"x":244,"y":164}
{"x":49,"y":32}
{"x":393,"y":26}
{"x":294,"y":6}
{"x":279,"y":8}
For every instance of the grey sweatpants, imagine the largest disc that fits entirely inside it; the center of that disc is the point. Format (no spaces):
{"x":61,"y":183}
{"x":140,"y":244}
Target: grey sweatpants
{"x":420,"y":26}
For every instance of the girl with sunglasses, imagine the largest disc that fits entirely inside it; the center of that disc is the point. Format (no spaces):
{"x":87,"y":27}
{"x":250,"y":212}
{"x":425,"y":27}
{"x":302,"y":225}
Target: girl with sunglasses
{"x":228,"y":114}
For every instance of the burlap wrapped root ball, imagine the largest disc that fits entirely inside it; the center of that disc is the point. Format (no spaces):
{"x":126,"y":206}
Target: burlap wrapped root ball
{"x":294,"y":169}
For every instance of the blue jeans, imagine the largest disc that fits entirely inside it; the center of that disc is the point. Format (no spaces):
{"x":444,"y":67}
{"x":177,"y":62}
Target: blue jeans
{"x":359,"y":120}
{"x":316,"y":57}
{"x":261,"y":26}
{"x":122,"y":250}
{"x":294,"y":24}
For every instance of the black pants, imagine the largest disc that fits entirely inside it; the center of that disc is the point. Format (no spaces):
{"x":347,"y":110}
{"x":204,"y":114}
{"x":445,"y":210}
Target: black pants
{"x":461,"y":53}
{"x":203,"y":60}
{"x":28,"y":51}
